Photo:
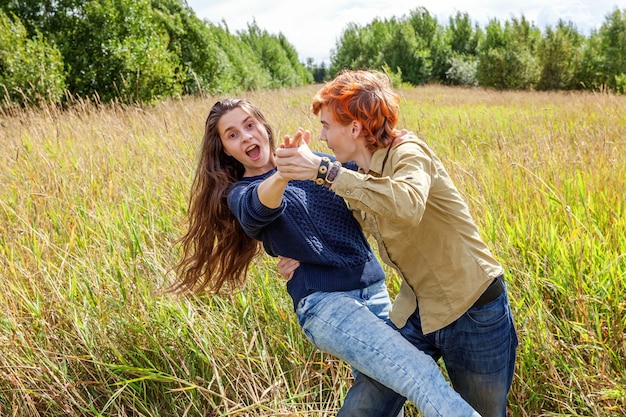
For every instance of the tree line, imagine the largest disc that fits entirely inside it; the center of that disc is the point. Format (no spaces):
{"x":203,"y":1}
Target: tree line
{"x":510,"y":55}
{"x":132,"y":51}
{"x":55,"y":51}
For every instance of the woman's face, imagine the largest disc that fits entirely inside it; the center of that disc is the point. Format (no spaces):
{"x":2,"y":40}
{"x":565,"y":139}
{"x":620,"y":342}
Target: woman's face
{"x":245,"y":139}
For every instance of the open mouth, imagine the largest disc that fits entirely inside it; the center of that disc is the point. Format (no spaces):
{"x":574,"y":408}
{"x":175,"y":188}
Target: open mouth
{"x":253,"y":152}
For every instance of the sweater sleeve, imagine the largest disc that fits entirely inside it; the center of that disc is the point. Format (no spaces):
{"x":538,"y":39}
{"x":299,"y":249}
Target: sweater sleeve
{"x":243,"y":201}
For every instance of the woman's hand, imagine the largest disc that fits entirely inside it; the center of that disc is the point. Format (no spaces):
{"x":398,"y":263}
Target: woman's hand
{"x":286,"y":267}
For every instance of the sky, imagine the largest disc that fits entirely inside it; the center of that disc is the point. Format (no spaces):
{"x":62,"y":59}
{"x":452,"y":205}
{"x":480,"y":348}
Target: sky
{"x":313,"y":27}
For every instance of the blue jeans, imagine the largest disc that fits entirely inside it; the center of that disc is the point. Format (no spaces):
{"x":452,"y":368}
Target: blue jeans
{"x":478,"y":350}
{"x":353,"y":326}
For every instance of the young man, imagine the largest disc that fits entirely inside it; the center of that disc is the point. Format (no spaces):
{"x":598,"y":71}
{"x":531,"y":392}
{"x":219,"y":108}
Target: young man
{"x":453,"y":302}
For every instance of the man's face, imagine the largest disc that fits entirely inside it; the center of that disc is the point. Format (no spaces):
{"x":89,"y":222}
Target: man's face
{"x":339,"y":137}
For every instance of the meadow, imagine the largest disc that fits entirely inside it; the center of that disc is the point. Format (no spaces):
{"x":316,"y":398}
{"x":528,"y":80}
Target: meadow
{"x":93,"y":198}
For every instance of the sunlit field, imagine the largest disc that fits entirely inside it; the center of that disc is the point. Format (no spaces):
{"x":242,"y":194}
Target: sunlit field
{"x":93,"y":198}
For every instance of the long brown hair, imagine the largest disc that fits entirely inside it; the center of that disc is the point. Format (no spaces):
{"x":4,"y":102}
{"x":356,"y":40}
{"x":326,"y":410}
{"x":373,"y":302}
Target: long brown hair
{"x":366,"y":96}
{"x":216,"y":250}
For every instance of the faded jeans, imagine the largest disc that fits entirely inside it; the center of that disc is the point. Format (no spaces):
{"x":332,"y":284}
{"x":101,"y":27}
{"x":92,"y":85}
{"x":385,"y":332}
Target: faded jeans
{"x":353,"y":326}
{"x":479,"y":354}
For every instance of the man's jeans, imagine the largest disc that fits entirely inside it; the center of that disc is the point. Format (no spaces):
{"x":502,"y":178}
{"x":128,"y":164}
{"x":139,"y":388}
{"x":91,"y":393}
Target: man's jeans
{"x":353,"y":326}
{"x":479,"y":354}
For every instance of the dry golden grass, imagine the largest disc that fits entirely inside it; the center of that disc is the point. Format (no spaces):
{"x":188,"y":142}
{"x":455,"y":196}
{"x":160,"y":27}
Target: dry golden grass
{"x":92,"y":198}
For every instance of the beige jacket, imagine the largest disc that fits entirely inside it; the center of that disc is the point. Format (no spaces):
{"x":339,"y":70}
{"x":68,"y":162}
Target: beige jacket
{"x":424,"y":230}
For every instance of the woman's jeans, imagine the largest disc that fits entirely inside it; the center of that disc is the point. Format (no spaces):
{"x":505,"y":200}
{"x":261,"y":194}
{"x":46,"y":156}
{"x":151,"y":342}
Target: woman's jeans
{"x":353,"y":326}
{"x":478,"y":350}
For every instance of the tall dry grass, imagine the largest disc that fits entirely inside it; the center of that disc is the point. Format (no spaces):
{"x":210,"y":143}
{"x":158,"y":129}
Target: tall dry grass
{"x":93,"y":197}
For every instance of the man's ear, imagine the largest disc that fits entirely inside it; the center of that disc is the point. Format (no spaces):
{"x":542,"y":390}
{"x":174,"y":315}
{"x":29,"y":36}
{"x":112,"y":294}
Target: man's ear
{"x":357,"y":127}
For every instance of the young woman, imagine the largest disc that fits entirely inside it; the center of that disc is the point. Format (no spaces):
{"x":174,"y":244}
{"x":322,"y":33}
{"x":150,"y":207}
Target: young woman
{"x":453,"y":301}
{"x":239,"y":200}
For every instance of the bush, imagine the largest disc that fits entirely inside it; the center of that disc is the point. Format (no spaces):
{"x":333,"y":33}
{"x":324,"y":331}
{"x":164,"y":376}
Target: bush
{"x":31,"y":70}
{"x":462,"y":71}
{"x":620,"y":83}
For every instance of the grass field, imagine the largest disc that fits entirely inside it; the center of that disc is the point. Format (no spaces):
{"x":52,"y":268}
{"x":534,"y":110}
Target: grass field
{"x":93,"y":198}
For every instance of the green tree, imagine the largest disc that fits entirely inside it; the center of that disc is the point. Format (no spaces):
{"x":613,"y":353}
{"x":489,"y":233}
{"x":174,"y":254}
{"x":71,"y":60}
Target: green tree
{"x":31,"y":70}
{"x":241,"y":62}
{"x":559,"y":52}
{"x":392,"y":43}
{"x":318,"y":71}
{"x":491,"y":69}
{"x":376,"y":42}
{"x":408,"y":54}
{"x":506,"y":57}
{"x":111,"y":48}
{"x":347,"y":51}
{"x":302,"y":75}
{"x":131,"y":59}
{"x":195,"y":45}
{"x":275,"y":58}
{"x":432,"y":43}
{"x":361,"y":47}
{"x":612,"y":48}
{"x":587,"y":74}
{"x":462,"y":36}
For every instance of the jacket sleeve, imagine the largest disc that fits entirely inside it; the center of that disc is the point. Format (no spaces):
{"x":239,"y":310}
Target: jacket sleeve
{"x":400,"y":194}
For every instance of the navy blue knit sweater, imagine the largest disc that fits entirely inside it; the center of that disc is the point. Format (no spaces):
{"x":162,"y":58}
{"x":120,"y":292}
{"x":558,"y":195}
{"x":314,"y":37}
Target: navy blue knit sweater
{"x":314,"y":226}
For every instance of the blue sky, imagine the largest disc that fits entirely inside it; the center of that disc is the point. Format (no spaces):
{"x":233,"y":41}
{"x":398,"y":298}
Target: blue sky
{"x":313,"y":27}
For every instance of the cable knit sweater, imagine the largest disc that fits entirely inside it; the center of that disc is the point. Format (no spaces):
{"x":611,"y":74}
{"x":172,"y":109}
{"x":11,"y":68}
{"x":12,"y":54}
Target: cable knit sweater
{"x":314,"y":226}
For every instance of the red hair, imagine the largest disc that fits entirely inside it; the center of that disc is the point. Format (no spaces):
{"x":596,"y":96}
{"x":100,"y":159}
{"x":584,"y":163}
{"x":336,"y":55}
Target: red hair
{"x":364,"y":96}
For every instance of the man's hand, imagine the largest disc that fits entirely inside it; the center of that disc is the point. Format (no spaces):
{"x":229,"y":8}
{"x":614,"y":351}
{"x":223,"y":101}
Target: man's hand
{"x":286,"y":267}
{"x":294,"y":158}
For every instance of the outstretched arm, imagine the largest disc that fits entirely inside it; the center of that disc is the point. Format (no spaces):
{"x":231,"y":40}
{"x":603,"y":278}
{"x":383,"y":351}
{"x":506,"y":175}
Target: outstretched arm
{"x":271,"y":190}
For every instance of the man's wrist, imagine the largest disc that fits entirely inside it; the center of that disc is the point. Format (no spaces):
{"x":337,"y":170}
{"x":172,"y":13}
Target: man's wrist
{"x":322,"y":171}
{"x":333,"y":172}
